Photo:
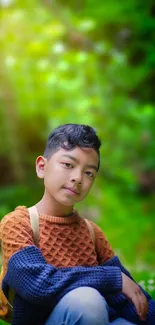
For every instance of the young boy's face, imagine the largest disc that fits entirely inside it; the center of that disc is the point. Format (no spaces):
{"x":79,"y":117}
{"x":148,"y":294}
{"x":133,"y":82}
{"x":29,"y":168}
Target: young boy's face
{"x":68,"y":174}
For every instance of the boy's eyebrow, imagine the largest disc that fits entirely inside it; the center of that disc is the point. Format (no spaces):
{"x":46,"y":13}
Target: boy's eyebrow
{"x":76,"y":160}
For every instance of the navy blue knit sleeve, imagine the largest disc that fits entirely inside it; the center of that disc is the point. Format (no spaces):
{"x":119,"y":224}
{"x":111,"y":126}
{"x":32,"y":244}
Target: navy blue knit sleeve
{"x":116,"y":262}
{"x":124,"y":307}
{"x":39,"y":283}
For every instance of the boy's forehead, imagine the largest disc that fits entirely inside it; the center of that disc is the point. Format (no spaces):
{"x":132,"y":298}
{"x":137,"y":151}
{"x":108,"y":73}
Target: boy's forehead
{"x":78,"y":152}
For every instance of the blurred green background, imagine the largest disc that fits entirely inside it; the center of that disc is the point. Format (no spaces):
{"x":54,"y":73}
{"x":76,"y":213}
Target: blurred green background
{"x":90,"y":62}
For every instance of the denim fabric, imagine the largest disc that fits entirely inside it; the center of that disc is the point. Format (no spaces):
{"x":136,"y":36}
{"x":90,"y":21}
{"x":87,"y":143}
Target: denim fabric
{"x":82,"y":306}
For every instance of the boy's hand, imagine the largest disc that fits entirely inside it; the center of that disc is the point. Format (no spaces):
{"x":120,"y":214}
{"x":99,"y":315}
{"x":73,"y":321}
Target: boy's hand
{"x":134,"y":293}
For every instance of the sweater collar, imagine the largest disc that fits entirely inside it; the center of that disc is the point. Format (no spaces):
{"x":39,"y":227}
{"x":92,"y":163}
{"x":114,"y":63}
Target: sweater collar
{"x":74,"y":218}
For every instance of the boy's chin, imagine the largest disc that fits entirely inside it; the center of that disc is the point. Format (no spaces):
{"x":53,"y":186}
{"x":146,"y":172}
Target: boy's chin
{"x":68,"y":202}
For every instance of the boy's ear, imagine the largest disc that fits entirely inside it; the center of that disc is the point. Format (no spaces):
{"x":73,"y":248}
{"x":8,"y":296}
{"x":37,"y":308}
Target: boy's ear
{"x":40,"y":166}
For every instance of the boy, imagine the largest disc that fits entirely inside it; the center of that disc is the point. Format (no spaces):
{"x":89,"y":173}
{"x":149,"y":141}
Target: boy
{"x":67,"y":279}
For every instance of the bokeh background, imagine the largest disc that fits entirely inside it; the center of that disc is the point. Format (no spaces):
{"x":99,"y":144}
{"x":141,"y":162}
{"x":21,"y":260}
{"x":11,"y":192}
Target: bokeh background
{"x":89,"y":62}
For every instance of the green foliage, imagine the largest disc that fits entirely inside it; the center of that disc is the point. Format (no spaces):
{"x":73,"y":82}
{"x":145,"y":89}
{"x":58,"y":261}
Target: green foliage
{"x":148,"y":283}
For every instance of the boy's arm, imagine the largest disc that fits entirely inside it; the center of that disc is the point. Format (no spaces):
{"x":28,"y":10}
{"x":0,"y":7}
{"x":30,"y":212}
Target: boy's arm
{"x":106,"y":256}
{"x":130,"y":290}
{"x":103,"y":248}
{"x":125,"y":307}
{"x":15,"y":233}
{"x":40,"y":283}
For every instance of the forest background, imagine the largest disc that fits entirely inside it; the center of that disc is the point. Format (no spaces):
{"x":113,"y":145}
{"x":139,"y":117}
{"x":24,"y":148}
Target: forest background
{"x":90,"y":62}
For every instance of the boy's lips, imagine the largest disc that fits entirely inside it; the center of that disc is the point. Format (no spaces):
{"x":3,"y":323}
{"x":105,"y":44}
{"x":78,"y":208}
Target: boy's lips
{"x":71,"y":190}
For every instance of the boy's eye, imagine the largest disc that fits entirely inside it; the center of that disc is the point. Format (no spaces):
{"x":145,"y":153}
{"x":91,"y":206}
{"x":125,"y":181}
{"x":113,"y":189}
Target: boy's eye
{"x":90,"y":174}
{"x":67,"y":165}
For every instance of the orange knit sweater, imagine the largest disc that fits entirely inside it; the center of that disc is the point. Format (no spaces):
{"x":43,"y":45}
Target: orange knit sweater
{"x":63,"y":241}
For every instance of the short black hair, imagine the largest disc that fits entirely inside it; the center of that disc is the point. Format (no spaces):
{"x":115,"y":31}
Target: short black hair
{"x":69,"y":136}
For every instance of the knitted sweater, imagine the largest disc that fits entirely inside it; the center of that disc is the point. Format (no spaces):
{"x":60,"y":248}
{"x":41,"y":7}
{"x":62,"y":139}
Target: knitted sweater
{"x":62,"y":241}
{"x":37,"y":281}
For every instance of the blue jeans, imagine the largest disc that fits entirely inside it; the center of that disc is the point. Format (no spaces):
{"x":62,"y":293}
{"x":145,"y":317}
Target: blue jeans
{"x":82,"y":306}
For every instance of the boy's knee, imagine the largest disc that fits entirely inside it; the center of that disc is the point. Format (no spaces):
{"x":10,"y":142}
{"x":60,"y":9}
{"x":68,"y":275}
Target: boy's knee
{"x":86,"y":295}
{"x":87,"y":304}
{"x":81,"y":306}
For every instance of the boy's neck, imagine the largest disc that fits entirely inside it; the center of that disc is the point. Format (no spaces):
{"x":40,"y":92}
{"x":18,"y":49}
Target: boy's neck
{"x":46,"y":206}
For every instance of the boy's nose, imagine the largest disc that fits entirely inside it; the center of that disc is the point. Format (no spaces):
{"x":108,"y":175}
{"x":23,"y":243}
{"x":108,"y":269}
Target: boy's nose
{"x":76,"y":182}
{"x":77,"y":179}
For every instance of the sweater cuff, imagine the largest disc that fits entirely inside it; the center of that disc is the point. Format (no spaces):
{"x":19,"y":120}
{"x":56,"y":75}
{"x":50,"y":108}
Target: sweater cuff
{"x":113,"y":279}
